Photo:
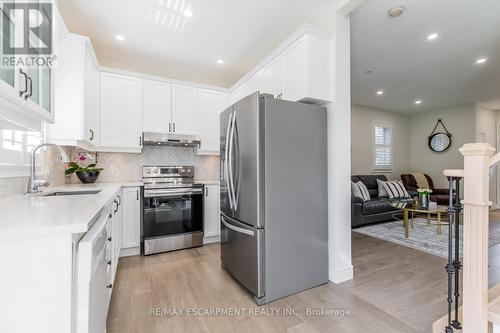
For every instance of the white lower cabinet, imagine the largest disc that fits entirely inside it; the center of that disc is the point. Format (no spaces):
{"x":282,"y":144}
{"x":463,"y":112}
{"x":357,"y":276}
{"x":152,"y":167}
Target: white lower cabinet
{"x":117,"y":225}
{"x":211,"y":212}
{"x":131,"y":217}
{"x":95,"y":275}
{"x":98,"y":255}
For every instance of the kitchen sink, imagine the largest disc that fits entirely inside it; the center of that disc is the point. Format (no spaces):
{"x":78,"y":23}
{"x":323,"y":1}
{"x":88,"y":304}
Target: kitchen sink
{"x":63,"y":193}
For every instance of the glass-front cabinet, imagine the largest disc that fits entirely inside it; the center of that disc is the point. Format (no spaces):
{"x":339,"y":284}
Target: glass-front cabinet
{"x":26,"y":67}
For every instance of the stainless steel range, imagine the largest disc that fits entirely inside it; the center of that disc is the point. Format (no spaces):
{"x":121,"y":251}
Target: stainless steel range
{"x":172,"y":210}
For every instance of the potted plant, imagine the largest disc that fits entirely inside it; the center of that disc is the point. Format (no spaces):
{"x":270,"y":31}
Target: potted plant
{"x":86,"y":173}
{"x":423,"y":196}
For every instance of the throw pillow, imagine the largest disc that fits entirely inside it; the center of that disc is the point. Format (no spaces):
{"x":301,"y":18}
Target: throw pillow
{"x":395,"y":189}
{"x":360,"y":190}
{"x":382,"y":193}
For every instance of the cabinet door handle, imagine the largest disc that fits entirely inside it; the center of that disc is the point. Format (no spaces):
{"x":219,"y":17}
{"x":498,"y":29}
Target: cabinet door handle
{"x":174,"y":127}
{"x":140,"y":141}
{"x":110,"y":239}
{"x":170,"y":127}
{"x":119,"y":200}
{"x":22,"y":92}
{"x":116,"y":209}
{"x":91,"y":134}
{"x":109,"y":286}
{"x":206,"y":191}
{"x":31,"y":89}
{"x":137,"y":194}
{"x":109,"y":263}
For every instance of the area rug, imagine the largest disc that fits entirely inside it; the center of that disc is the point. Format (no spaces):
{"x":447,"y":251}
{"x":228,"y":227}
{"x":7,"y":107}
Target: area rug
{"x":422,"y":237}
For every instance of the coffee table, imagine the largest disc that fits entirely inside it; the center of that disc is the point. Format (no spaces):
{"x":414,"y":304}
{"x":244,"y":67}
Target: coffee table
{"x":434,"y":213}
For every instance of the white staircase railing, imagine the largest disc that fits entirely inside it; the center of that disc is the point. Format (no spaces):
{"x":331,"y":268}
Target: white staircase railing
{"x":478,"y":159}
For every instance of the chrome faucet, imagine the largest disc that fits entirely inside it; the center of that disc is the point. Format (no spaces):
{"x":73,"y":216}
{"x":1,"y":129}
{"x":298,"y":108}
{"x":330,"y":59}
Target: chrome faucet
{"x":33,"y":183}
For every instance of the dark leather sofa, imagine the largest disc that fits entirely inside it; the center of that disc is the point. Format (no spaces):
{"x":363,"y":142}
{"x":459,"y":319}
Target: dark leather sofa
{"x":374,"y":210}
{"x":441,"y":196}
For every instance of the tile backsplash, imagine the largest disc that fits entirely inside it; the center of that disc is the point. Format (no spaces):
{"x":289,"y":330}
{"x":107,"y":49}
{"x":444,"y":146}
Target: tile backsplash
{"x":52,"y":169}
{"x":123,"y":167}
{"x":118,"y":167}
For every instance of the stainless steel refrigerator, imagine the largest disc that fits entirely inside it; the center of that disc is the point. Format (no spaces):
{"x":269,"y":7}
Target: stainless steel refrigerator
{"x":274,"y":229}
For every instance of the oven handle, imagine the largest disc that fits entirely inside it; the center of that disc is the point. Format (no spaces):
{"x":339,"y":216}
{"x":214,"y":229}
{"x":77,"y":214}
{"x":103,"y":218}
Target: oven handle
{"x":237,"y":229}
{"x":171,"y":193}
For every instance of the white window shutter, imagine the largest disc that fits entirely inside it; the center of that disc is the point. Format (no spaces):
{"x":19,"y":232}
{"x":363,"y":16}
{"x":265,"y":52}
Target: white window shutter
{"x":382,"y":147}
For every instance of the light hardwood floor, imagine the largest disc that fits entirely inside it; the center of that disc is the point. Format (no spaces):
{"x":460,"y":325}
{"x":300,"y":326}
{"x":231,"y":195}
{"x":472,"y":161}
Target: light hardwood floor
{"x":395,"y":289}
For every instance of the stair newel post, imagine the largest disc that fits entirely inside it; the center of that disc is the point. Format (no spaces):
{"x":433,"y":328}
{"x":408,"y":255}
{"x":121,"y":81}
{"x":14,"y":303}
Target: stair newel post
{"x":477,"y":158}
{"x":449,"y":266}
{"x":457,"y":264}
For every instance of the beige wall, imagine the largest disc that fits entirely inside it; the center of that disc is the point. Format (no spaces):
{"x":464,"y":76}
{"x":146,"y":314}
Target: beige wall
{"x":460,"y":122}
{"x":485,"y":131}
{"x":410,"y":133}
{"x":362,"y":119}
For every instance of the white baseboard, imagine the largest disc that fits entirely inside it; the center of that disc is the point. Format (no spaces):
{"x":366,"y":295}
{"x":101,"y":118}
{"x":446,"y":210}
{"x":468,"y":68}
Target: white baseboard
{"x":132,"y":251}
{"x":341,"y":275}
{"x":210,"y":240}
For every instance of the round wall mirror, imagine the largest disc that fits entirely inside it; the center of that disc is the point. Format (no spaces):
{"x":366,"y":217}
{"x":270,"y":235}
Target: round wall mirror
{"x":439,"y":142}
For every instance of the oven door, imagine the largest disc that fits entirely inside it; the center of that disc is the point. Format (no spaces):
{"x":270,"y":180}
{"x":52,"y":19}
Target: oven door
{"x":172,"y":211}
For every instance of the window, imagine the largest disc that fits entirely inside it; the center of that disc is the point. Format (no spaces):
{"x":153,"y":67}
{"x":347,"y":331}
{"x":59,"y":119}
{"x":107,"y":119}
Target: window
{"x":382,"y":146}
{"x":16,"y":144}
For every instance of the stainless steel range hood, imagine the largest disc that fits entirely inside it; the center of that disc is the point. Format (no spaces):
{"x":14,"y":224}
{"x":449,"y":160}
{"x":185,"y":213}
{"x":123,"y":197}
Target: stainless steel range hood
{"x":170,"y":139}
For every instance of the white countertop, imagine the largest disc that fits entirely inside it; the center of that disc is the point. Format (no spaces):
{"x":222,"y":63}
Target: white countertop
{"x":35,"y":215}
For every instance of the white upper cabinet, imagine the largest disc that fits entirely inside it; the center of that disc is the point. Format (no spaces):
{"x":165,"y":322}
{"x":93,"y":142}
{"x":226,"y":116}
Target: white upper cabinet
{"x":120,"y":113}
{"x":76,"y":119}
{"x":307,"y":70}
{"x":272,"y":77}
{"x":157,"y":110}
{"x":254,"y":84}
{"x":210,"y":105}
{"x":184,"y":110}
{"x":295,"y":71}
{"x":90,"y":97}
{"x":238,"y":93}
{"x":298,"y":71}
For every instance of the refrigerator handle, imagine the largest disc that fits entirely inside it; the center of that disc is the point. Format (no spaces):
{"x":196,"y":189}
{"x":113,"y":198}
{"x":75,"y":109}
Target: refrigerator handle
{"x":237,"y":229}
{"x":236,"y":176}
{"x":226,"y":162}
{"x":230,"y":162}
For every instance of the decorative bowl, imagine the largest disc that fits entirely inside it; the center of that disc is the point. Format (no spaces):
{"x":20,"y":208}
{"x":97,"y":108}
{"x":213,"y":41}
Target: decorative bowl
{"x":87,"y":177}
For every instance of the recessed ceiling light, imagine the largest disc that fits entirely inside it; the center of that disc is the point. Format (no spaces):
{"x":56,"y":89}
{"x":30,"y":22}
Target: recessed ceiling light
{"x":380,"y":92}
{"x":432,"y":36}
{"x":418,"y":101}
{"x":396,"y":11}
{"x":481,"y":60}
{"x":220,"y":61}
{"x":188,"y":13}
{"x":120,"y":38}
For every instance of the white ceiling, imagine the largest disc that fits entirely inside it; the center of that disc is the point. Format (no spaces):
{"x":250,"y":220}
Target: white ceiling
{"x":442,"y":72}
{"x":160,"y":40}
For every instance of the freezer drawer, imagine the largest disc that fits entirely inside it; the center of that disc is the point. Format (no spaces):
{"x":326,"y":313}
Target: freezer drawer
{"x":242,"y":254}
